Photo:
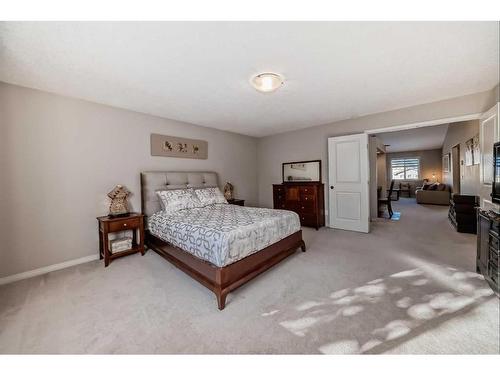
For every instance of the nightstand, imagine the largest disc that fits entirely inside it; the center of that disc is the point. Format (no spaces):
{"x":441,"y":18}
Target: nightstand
{"x":108,"y":224}
{"x":237,"y":202}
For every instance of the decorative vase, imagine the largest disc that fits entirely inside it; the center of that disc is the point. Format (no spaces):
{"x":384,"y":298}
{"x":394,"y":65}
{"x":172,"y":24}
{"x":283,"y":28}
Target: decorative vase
{"x":119,"y":204}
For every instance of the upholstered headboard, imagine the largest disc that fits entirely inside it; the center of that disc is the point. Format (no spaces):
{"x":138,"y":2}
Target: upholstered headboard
{"x":152,"y":181}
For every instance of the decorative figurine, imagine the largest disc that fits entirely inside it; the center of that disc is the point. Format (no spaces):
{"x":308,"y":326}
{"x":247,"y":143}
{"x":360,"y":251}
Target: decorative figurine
{"x":119,"y":205}
{"x":228,"y":190}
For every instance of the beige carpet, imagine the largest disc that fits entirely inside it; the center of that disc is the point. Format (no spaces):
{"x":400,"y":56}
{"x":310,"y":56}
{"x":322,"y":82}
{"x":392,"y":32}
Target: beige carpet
{"x":407,"y":287}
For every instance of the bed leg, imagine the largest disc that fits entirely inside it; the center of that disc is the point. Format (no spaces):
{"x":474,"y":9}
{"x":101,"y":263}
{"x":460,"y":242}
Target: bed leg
{"x":221,"y":299}
{"x":303,"y":246}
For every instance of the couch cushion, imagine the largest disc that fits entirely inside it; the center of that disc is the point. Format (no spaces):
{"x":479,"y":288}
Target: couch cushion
{"x":433,"y":197}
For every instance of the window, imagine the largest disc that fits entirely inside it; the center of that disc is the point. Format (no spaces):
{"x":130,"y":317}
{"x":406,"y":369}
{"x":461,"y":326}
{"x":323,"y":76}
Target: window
{"x":405,"y":168}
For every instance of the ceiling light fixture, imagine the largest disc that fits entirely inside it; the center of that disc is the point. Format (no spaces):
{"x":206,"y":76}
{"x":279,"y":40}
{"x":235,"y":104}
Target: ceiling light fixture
{"x":267,"y":82}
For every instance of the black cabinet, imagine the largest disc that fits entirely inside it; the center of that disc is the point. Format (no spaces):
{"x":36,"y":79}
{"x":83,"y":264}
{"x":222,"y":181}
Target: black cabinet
{"x":462,"y":212}
{"x":488,"y":229}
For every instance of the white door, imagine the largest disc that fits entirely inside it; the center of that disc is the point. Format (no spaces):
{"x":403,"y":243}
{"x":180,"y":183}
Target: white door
{"x":489,"y":133}
{"x":348,"y":182}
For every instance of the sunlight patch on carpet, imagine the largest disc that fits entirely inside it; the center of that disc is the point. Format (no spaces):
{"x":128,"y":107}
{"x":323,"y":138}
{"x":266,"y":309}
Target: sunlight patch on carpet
{"x":360,"y":319}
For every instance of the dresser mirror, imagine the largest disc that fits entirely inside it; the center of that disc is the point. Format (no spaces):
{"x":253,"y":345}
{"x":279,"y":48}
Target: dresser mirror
{"x":302,"y":171}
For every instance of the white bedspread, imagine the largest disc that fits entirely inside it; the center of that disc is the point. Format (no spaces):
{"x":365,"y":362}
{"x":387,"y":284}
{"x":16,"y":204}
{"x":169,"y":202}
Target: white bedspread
{"x":223,"y":233}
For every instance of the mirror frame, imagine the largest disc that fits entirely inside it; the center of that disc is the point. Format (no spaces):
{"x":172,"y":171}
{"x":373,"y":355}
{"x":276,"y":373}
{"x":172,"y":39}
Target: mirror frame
{"x":300,"y":162}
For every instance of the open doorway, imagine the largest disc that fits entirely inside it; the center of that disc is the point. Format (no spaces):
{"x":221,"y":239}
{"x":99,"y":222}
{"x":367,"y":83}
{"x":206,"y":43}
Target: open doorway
{"x":411,"y":158}
{"x":426,"y":165}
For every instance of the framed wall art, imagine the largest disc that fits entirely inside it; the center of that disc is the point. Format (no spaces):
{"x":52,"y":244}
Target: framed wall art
{"x":446,"y":163}
{"x":469,"y":152}
{"x":175,"y":147}
{"x":476,"y":150}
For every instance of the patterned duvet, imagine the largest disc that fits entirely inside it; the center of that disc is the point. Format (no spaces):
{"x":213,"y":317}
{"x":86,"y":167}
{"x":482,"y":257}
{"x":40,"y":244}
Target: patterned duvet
{"x":223,"y":233}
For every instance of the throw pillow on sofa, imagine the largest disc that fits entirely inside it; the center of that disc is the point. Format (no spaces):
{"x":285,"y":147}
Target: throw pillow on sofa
{"x":433,"y":186}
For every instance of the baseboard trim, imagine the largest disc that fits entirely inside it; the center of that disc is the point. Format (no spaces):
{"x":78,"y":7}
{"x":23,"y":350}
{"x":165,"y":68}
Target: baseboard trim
{"x":47,"y":269}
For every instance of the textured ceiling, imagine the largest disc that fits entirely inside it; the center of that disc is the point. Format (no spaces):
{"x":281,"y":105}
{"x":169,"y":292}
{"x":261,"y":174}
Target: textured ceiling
{"x":426,"y":138}
{"x":198,"y":72}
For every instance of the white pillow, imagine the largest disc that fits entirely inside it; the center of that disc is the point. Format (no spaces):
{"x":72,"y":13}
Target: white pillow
{"x":210,"y":195}
{"x":176,"y":200}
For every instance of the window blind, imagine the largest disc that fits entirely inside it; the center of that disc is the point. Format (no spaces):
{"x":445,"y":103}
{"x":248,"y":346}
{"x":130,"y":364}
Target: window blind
{"x":405,"y":168}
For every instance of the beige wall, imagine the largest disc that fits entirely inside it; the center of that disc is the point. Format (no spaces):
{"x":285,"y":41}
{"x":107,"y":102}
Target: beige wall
{"x":459,"y":133}
{"x":430,"y":163}
{"x":311,"y":143}
{"x":60,"y":156}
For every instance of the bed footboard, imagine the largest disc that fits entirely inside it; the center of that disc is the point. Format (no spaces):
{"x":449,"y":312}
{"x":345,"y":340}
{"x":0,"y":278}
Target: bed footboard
{"x":222,"y":280}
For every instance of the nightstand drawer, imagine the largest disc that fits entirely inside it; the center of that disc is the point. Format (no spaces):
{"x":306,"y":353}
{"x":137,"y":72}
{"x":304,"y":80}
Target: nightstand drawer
{"x":131,"y":223}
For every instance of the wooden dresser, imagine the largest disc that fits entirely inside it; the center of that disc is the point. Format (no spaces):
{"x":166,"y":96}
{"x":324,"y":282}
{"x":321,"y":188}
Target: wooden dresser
{"x":305,"y":198}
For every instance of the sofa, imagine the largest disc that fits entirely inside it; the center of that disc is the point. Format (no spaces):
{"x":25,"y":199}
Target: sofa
{"x":433,"y":194}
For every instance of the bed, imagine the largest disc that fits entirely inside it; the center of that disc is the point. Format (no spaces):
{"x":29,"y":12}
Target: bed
{"x":221,"y":246}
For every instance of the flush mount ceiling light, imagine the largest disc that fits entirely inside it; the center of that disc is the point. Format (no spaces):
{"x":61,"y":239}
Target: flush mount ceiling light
{"x":267,"y":82}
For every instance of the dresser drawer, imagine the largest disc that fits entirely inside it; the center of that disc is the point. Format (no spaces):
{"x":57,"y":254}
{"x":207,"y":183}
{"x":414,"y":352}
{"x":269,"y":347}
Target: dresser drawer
{"x":493,"y":256}
{"x":308,"y":219}
{"x":278,"y":201}
{"x":279,"y":206}
{"x":494,"y":240}
{"x":307,"y":198}
{"x":278,"y":189}
{"x":307,"y":206}
{"x":124,"y":224}
{"x":308,"y":190}
{"x":278,"y":196}
{"x":493,"y":272}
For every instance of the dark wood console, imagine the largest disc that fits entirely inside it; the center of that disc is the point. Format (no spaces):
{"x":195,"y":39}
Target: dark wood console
{"x":488,"y":234}
{"x":462,"y":212}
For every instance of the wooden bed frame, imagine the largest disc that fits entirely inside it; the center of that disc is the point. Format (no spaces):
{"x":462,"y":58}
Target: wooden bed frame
{"x":220,"y":280}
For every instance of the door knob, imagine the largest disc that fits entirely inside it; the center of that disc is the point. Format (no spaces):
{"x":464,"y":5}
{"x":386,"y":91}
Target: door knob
{"x":331,"y":187}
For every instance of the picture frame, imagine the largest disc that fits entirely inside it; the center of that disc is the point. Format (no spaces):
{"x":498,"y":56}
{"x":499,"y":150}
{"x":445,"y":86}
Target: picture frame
{"x":301,"y":171}
{"x":476,"y":150}
{"x":469,"y":152}
{"x":446,"y":163}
